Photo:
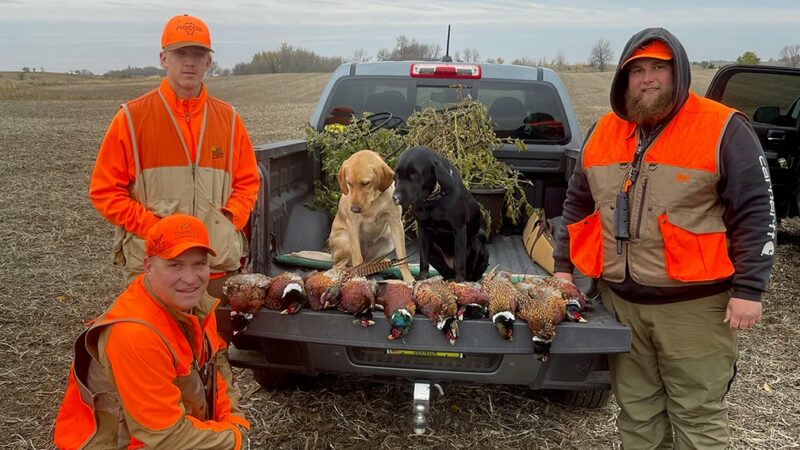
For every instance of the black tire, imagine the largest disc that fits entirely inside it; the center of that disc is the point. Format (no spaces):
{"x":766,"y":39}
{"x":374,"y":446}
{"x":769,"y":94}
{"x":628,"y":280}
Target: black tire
{"x":582,"y":398}
{"x":278,"y":380}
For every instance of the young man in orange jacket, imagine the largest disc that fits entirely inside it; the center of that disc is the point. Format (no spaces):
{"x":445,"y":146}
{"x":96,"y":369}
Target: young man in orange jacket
{"x":671,"y":209}
{"x":177,"y":149}
{"x":150,"y":371}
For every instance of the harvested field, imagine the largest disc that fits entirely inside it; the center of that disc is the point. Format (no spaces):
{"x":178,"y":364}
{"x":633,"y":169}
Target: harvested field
{"x":55,"y":274}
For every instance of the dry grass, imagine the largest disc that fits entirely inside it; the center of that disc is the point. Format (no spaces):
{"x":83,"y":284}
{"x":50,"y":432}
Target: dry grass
{"x":55,"y":274}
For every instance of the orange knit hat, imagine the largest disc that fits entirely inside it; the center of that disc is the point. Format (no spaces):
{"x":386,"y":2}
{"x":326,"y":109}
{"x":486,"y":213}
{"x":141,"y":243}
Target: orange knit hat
{"x":175,"y":234}
{"x":651,"y":49}
{"x":184,"y":31}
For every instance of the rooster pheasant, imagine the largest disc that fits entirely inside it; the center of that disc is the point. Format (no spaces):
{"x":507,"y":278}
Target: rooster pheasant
{"x":286,"y":293}
{"x":246,"y":294}
{"x":503,"y":300}
{"x":472,"y":302}
{"x":397,"y":299}
{"x":435,"y":300}
{"x":543,"y":307}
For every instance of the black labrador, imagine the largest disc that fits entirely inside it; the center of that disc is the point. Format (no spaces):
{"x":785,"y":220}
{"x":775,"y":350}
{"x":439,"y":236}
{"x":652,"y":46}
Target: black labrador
{"x":448,"y":217}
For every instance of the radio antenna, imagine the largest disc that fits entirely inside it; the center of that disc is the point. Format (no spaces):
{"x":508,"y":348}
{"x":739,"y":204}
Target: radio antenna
{"x":446,"y":57}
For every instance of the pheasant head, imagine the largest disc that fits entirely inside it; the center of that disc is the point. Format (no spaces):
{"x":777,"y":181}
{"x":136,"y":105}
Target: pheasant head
{"x":401,"y":322}
{"x":504,"y":323}
{"x":449,"y":328}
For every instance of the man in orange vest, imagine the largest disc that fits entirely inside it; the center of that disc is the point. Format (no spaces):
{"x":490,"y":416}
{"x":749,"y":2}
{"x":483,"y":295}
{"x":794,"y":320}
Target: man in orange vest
{"x":150,"y":371}
{"x":178,"y":149}
{"x":671,"y":208}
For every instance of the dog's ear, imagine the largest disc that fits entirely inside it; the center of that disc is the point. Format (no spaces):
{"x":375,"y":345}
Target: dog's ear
{"x":445,"y":175}
{"x":343,"y":178}
{"x":384,"y":176}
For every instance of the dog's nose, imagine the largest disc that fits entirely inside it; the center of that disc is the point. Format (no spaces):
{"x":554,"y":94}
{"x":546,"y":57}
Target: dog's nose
{"x":355,"y":209}
{"x":396,"y":199}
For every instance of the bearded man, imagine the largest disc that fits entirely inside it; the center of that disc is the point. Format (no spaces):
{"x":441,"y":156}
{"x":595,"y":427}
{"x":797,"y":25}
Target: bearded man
{"x":670,"y":208}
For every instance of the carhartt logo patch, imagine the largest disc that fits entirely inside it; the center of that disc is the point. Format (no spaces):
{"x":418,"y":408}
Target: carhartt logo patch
{"x":216,"y":152}
{"x":682,"y":177}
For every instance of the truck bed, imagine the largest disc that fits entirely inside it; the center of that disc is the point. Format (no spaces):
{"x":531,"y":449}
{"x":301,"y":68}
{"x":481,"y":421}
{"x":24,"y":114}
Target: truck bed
{"x":314,"y":342}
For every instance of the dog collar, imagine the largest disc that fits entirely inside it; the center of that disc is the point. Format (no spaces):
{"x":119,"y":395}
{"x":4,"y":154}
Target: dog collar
{"x":437,"y":190}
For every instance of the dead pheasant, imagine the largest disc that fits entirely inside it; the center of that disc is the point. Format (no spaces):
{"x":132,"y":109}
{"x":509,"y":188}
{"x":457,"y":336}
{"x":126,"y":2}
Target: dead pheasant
{"x":317,"y":284}
{"x":340,"y":275}
{"x":576,"y":301}
{"x":472,"y":302}
{"x":435,"y":300}
{"x":246,"y":294}
{"x":542,"y":308}
{"x":286,"y":293}
{"x":397,"y":299}
{"x":503,"y":300}
{"x":357,"y":297}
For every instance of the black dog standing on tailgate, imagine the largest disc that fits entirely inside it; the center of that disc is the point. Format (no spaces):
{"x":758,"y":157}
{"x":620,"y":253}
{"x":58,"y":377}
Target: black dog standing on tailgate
{"x":448,"y":217}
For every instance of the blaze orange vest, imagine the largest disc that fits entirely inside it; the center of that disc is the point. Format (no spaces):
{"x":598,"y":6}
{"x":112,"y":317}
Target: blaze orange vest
{"x":168,"y":180}
{"x":677,"y":232}
{"x":90,"y":395}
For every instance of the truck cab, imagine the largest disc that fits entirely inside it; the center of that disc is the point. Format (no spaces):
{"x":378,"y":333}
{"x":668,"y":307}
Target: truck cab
{"x":770,"y":98}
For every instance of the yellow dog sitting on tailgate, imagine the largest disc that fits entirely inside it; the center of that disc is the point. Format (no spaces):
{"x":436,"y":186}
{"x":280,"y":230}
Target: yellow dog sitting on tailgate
{"x":367,"y":224}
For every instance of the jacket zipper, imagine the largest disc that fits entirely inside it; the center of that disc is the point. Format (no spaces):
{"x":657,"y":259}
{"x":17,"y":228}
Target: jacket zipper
{"x":194,"y":147}
{"x":641,"y":208}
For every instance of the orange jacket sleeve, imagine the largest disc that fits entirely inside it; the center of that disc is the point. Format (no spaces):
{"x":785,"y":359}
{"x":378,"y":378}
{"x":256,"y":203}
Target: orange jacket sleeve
{"x":245,"y":177}
{"x":113,"y":175}
{"x":143,"y":371}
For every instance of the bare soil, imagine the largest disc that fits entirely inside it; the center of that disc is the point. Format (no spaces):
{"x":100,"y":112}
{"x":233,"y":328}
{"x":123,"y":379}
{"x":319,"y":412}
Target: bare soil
{"x":55,"y":274}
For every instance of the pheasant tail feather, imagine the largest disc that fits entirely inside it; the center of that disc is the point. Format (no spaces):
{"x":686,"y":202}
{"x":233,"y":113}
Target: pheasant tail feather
{"x":375,"y":266}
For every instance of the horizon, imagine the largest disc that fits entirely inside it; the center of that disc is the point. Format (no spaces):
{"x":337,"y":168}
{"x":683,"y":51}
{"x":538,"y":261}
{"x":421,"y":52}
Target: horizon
{"x":90,"y":34}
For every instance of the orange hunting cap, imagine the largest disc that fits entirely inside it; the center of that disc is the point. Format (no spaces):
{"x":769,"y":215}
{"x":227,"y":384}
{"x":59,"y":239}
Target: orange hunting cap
{"x":175,"y":234}
{"x":183,"y":31}
{"x":651,"y":49}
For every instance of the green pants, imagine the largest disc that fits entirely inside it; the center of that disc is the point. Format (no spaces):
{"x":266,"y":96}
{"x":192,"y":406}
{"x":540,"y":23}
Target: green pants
{"x":671,"y":387}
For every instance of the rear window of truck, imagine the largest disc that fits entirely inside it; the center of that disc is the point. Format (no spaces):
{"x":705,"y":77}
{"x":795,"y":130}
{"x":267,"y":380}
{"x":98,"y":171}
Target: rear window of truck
{"x":529,"y":110}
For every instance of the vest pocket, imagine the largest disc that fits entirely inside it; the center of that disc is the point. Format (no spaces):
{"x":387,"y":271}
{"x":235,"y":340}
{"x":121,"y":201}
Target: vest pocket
{"x":696,"y":254}
{"x":224,"y":238}
{"x":586,"y":245}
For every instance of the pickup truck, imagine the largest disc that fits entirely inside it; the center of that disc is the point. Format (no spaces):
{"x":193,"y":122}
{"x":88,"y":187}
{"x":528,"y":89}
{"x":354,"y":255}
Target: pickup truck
{"x":770,"y":97}
{"x":283,"y":350}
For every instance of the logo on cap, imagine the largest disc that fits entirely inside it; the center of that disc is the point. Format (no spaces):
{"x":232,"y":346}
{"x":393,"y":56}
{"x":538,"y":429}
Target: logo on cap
{"x":189,"y":28}
{"x":175,"y":234}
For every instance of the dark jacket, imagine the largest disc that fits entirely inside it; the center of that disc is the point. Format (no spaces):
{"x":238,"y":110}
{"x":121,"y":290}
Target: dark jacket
{"x":749,"y":216}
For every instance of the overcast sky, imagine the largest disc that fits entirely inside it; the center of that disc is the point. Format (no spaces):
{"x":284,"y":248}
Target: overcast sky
{"x":101,"y":35}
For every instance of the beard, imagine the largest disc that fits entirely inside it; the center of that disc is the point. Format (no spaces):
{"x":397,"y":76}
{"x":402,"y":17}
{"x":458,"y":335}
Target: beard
{"x":649,"y":112}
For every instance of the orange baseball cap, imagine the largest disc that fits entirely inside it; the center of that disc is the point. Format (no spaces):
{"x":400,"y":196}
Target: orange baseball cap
{"x":175,"y":234}
{"x":184,"y":31}
{"x":651,"y":49}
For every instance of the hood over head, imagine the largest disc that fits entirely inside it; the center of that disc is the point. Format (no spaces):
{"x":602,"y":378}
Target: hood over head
{"x":680,"y":69}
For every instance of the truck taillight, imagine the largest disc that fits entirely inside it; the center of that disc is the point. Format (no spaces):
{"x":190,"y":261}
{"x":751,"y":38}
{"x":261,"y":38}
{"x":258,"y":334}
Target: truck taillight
{"x":433,"y":70}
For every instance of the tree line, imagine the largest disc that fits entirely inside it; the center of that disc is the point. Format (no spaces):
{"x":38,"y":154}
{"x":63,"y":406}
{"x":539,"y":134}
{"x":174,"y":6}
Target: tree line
{"x":290,"y":59}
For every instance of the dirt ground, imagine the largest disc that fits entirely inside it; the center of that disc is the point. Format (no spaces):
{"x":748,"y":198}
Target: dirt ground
{"x":55,"y":274}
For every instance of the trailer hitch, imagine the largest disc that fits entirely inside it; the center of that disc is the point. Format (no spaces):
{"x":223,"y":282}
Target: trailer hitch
{"x":421,"y":405}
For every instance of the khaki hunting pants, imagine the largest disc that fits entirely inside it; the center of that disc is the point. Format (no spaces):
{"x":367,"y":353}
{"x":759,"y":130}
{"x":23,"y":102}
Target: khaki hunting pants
{"x":671,"y":387}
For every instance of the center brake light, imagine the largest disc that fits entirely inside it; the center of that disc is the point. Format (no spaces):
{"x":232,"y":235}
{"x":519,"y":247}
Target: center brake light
{"x":435,"y":70}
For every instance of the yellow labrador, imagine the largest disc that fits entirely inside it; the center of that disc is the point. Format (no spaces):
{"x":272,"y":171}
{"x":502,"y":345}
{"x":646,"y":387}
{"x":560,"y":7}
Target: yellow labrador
{"x":368,"y":224}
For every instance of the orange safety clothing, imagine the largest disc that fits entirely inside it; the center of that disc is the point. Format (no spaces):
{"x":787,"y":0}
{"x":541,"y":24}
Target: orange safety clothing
{"x":163,"y":155}
{"x":676,"y":217}
{"x":145,"y":375}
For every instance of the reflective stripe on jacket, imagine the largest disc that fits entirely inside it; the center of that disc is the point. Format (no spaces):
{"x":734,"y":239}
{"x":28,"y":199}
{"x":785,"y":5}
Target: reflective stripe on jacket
{"x":676,"y":216}
{"x":170,"y":387}
{"x":163,"y":155}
